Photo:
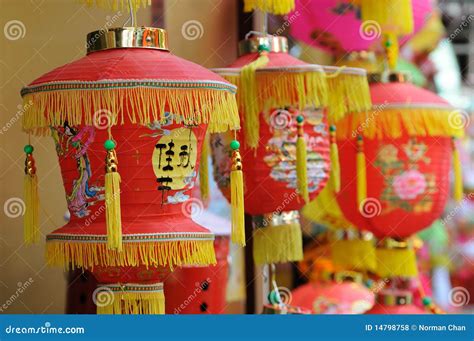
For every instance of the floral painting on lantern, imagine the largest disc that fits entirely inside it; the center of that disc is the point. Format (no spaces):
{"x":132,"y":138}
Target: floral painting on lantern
{"x":281,"y":148}
{"x":73,"y":143}
{"x":405,"y":186}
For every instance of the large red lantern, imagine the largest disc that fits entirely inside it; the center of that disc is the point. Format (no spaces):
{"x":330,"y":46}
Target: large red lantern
{"x":282,"y":106}
{"x":397,"y":157}
{"x":395,"y":302}
{"x":152,"y":110}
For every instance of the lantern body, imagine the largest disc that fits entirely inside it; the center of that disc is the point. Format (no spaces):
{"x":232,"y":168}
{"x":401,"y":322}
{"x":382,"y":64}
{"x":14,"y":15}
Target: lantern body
{"x":158,"y":166}
{"x":270,"y":169}
{"x":200,"y":290}
{"x":407,"y":184}
{"x":333,"y":297}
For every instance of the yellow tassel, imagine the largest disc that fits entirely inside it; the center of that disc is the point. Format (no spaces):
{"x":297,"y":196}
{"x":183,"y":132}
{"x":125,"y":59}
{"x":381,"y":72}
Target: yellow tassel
{"x":395,"y":15}
{"x":301,"y":158}
{"x":31,"y":230}
{"x":361,"y":173}
{"x":457,"y":170}
{"x":237,"y":196}
{"x":277,"y":244}
{"x":130,"y":299}
{"x":396,"y":261}
{"x":391,"y":49}
{"x":116,"y":5}
{"x":112,"y":199}
{"x":204,"y":169}
{"x":250,"y":96}
{"x":358,"y":254}
{"x":335,"y":166}
{"x":278,"y":7}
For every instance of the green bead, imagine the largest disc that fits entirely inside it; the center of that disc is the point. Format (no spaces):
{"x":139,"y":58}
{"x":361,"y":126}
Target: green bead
{"x":234,"y":145}
{"x":388,"y":43}
{"x":28,"y":149}
{"x":263,"y":47}
{"x":109,"y":144}
{"x":273,"y":297}
{"x":299,"y":118}
{"x":359,"y":138}
{"x":332,"y":128}
{"x":426,"y":300}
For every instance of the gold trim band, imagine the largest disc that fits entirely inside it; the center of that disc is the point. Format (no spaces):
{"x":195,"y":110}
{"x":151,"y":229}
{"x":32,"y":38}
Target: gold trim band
{"x":127,"y":37}
{"x":274,"y":43}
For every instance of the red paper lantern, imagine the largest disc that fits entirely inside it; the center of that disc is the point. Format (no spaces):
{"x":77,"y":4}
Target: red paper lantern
{"x":395,"y":302}
{"x":152,"y":110}
{"x":279,"y":92}
{"x":395,"y":179}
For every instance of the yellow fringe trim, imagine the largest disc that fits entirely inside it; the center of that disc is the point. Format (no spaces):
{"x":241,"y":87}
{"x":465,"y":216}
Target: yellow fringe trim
{"x":394,"y":122}
{"x":250,"y":94}
{"x":396,"y":262}
{"x":204,"y":169}
{"x":354,"y":254}
{"x":394,"y":15}
{"x":237,"y":207}
{"x":277,"y":244}
{"x":71,"y":255}
{"x":116,"y":5}
{"x":217,"y":108}
{"x":113,"y":212}
{"x":347,"y":92}
{"x":278,"y":7}
{"x":282,"y":88}
{"x":126,"y":302}
{"x":31,"y":229}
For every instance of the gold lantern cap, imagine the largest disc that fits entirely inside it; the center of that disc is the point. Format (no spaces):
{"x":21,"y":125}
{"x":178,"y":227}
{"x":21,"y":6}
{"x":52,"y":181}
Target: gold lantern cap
{"x":127,"y":37}
{"x":275,"y":44}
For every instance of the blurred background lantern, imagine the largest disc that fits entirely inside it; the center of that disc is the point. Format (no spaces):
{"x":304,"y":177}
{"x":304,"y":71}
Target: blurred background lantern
{"x":404,"y":145}
{"x":395,"y":302}
{"x":151,"y":110}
